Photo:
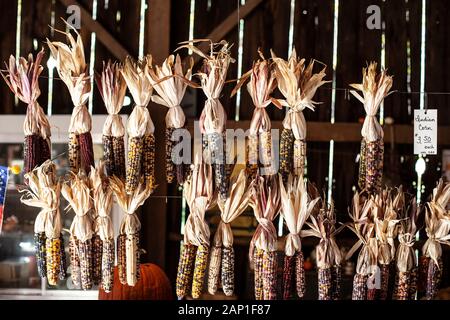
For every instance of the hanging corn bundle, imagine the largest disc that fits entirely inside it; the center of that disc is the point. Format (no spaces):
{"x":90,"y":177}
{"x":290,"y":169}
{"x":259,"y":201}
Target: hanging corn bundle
{"x":329,"y":258}
{"x":77,"y":194}
{"x":265,"y":201}
{"x":170,"y":82}
{"x":221,"y":265}
{"x":104,"y":253}
{"x":200,"y":196}
{"x":437,"y":227}
{"x":406,"y":260}
{"x":298,"y":84}
{"x":44,"y":192}
{"x":363,"y":227}
{"x":262,"y":83}
{"x":375,"y":87}
{"x":128,"y":247}
{"x":296,"y":206}
{"x":22,"y":78}
{"x":140,"y":127}
{"x":112,"y":87}
{"x":73,"y":71}
{"x":213,"y":117}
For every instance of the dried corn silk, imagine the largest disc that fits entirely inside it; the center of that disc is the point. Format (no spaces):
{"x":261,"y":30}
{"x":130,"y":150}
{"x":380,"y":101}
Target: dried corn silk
{"x":201,"y":261}
{"x":228,"y":270}
{"x":74,"y":153}
{"x":299,"y":157}
{"x":403,"y":286}
{"x":185,"y":270}
{"x":75,"y":261}
{"x":119,"y":157}
{"x":252,"y":155}
{"x":286,"y":153}
{"x":325,"y":283}
{"x":63,"y":264}
{"x":362,"y":165}
{"x":413,"y":284}
{"x":86,"y":264}
{"x":300,"y":275}
{"x":270,"y":275}
{"x":121,"y":259}
{"x":434,"y":279}
{"x":258,"y":260}
{"x":148,"y":161}
{"x":170,"y":167}
{"x":97,"y":249}
{"x":359,"y":287}
{"x":384,"y":279}
{"x":108,"y":154}
{"x":53,"y":256}
{"x":135,"y":156}
{"x":40,"y":248}
{"x":374,"y":166}
{"x":337,"y":280}
{"x":214,"y":269}
{"x":288,"y":277}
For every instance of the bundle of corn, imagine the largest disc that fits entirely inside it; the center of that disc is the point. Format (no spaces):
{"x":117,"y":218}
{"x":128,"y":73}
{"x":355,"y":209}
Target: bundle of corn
{"x":362,"y":225}
{"x":329,"y":258}
{"x":262,"y":83}
{"x":141,"y":138}
{"x":104,"y":256}
{"x":128,"y":250}
{"x":22,"y":78}
{"x":200,"y":196}
{"x":213,"y":117}
{"x":112,"y":88}
{"x":296,"y":206}
{"x":298,"y":84}
{"x":77,"y":194}
{"x":73,"y":71}
{"x":407,"y":263}
{"x":222,"y":253}
{"x":375,"y":87}
{"x":266,"y":202}
{"x":170,"y":82}
{"x":44,"y":193}
{"x":437,"y":227}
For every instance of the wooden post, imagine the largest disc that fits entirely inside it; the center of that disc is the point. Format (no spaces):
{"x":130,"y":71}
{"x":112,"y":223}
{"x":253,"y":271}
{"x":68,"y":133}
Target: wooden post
{"x":154,"y":211}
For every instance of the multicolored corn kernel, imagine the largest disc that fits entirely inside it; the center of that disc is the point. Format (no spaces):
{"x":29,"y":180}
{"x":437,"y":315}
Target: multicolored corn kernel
{"x":258,"y":257}
{"x":185,"y":269}
{"x":403,"y":286}
{"x":119,"y":157}
{"x":286,"y":153}
{"x":270,"y":275}
{"x":108,"y":257}
{"x":359,"y":287}
{"x":63,"y":264}
{"x":44,"y":150}
{"x":228,"y":270}
{"x":424,"y":263}
{"x":216,"y":147}
{"x":362,"y":166}
{"x":252,"y":156}
{"x":413,"y":283}
{"x":75,"y":261}
{"x":132,"y":254}
{"x":299,"y":157}
{"x":86,"y":266}
{"x":87,"y":151}
{"x":288,"y":277}
{"x":374,"y":165}
{"x":53,"y":256}
{"x":74,"y":153}
{"x":265,"y":139}
{"x":336,"y":274}
{"x":97,"y":249}
{"x":384,"y":286}
{"x":40,"y":248}
{"x":325,"y":283}
{"x":201,"y":261}
{"x":108,"y":154}
{"x":134,"y":164}
{"x":300,"y":281}
{"x":433,"y":278}
{"x":170,"y":168}
{"x":122,"y":258}
{"x":148,"y":163}
{"x":214,"y":269}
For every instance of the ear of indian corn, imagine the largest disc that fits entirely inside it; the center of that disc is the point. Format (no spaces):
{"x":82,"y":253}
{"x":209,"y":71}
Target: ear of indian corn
{"x":252,"y":155}
{"x":362,"y":166}
{"x":74,"y":260}
{"x":286,"y":153}
{"x":121,"y":258}
{"x":337,"y":279}
{"x":185,"y":269}
{"x":74,"y":152}
{"x":108,"y":154}
{"x":44,"y":150}
{"x":433,"y":278}
{"x":228,"y":270}
{"x":403,"y":285}
{"x":299,"y":274}
{"x":258,"y":256}
{"x":40,"y":247}
{"x":53,"y":248}
{"x":288,"y":277}
{"x":299,"y":157}
{"x":201,"y":261}
{"x":63,"y":264}
{"x":384,"y":278}
{"x":132,"y":262}
{"x":119,"y":157}
{"x":170,"y":168}
{"x":270,"y":275}
{"x":97,"y":248}
{"x":325,"y":283}
{"x":214,"y":269}
{"x":359,"y":287}
{"x":148,"y":162}
{"x":135,"y":155}
{"x":374,"y":165}
{"x":86,"y":266}
{"x":108,"y":265}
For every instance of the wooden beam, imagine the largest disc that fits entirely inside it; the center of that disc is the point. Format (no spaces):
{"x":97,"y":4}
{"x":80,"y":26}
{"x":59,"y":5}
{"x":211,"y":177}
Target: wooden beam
{"x":103,"y":35}
{"x":348,"y":132}
{"x":228,"y":25}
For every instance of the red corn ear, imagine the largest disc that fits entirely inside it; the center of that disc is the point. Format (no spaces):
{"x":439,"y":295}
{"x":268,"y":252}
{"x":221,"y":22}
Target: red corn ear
{"x":359,"y":287}
{"x":384,"y":274}
{"x":122,"y":259}
{"x":325,"y":283}
{"x":288,"y":277}
{"x":300,"y":274}
{"x":270,"y":275}
{"x":169,"y":164}
{"x":87,"y":151}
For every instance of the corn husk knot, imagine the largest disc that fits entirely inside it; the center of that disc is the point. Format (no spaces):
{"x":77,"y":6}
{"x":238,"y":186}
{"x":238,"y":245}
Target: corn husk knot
{"x":406,"y":257}
{"x":375,"y":88}
{"x":170,"y":82}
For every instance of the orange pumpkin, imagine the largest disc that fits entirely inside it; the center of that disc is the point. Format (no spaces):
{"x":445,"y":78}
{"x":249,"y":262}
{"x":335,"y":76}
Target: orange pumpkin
{"x":153,"y":285}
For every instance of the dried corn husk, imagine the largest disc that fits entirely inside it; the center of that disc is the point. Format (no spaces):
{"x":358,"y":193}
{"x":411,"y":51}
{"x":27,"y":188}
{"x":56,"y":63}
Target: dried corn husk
{"x":170,"y":82}
{"x":139,"y":123}
{"x":265,"y":201}
{"x":44,"y":192}
{"x":298,"y":84}
{"x":73,"y":71}
{"x":112,"y":87}
{"x":130,"y":225}
{"x":375,"y":87}
{"x":296,"y":206}
{"x":22,"y":78}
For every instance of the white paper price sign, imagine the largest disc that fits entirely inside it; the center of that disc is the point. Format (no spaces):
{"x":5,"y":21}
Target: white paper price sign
{"x":425,"y":131}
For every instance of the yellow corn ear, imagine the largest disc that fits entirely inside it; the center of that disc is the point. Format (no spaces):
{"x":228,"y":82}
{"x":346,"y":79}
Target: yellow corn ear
{"x":148,"y":163}
{"x":53,"y":256}
{"x":185,"y":269}
{"x":135,"y":153}
{"x":201,"y":261}
{"x":258,"y":270}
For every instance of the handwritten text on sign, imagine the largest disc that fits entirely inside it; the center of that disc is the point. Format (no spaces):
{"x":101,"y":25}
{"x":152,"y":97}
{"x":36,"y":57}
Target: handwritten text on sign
{"x":425,"y":131}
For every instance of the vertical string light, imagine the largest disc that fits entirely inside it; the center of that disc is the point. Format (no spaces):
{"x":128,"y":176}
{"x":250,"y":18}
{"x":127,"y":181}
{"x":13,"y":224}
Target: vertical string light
{"x":241,"y":25}
{"x":408,"y":62}
{"x":142,"y":28}
{"x":18,"y":34}
{"x":333,"y":99}
{"x":191,"y":22}
{"x":92,"y":58}
{"x":51,"y":64}
{"x":383,"y":61}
